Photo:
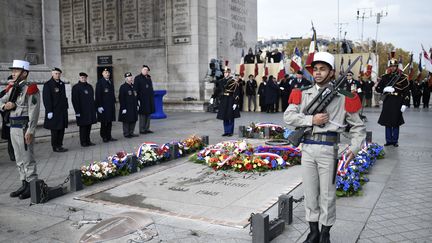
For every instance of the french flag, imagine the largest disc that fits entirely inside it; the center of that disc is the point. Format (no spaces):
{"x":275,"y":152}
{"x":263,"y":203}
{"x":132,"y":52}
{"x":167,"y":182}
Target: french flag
{"x":411,"y":70}
{"x":369,"y":66}
{"x":282,"y":72}
{"x":296,"y":62}
{"x":242,"y":66}
{"x":312,"y":49}
{"x":420,"y":68}
{"x":427,"y":61}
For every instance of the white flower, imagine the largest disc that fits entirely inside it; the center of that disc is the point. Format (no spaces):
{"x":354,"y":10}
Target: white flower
{"x":280,"y":161}
{"x":218,"y":152}
{"x":98,"y":175}
{"x":88,"y":173}
{"x":95,"y":167}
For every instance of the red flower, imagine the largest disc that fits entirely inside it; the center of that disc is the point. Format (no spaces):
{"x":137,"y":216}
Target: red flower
{"x":249,"y":166}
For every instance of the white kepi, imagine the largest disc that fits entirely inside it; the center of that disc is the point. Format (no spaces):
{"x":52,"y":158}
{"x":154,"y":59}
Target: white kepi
{"x":324,"y":57}
{"x":20,"y":64}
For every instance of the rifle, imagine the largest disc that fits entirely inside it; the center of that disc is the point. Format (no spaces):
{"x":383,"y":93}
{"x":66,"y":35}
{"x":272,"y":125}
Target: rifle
{"x":393,"y":81}
{"x":320,"y":102}
{"x":16,"y":91}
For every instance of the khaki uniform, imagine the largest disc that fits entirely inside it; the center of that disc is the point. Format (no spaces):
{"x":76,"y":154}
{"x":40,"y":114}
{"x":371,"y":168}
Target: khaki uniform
{"x":318,"y":161}
{"x":23,"y":120}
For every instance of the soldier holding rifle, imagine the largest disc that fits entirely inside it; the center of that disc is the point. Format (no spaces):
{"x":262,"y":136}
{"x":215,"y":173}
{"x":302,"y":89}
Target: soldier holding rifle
{"x":21,"y":104}
{"x":320,"y":141}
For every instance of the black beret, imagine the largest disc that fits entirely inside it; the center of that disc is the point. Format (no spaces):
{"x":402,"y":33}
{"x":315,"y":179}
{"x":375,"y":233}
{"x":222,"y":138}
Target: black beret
{"x":145,"y":66}
{"x":128,"y":74}
{"x":300,"y":72}
{"x":83,"y":74}
{"x":350,"y":72}
{"x":56,"y":69}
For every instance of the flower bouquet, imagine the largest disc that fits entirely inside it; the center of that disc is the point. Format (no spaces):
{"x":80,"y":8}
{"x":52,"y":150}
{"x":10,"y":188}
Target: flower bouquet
{"x":192,"y":144}
{"x":290,"y":154}
{"x":97,"y":171}
{"x":257,"y":130}
{"x":147,"y":154}
{"x":121,"y":162}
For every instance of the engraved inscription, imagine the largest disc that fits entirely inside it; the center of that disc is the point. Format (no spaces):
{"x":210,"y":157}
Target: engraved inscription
{"x":181,"y":17}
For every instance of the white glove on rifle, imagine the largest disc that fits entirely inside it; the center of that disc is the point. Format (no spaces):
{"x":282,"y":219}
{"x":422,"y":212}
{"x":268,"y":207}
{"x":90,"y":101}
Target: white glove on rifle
{"x":403,"y":108}
{"x":388,"y":89}
{"x":211,"y":101}
{"x":50,"y":115}
{"x":234,"y":106}
{"x":100,"y":110}
{"x":124,"y":111}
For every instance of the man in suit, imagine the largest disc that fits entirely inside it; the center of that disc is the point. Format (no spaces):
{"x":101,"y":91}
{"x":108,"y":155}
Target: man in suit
{"x":105,"y":103}
{"x":145,"y":93}
{"x":56,"y":105}
{"x":85,"y":109}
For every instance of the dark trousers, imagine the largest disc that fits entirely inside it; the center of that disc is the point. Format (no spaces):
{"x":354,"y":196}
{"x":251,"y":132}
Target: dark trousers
{"x":144,"y":122}
{"x":392,"y":134}
{"x":228,"y":126}
{"x":128,"y":128}
{"x":105,"y":130}
{"x":11,"y":150}
{"x":84,"y":132}
{"x":57,"y":138}
{"x":416,"y":100}
{"x":426,"y":99}
{"x":284,"y":99}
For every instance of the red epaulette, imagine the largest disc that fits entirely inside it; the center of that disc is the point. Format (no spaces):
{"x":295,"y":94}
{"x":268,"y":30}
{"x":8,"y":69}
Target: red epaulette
{"x":295,"y":97}
{"x":32,"y":89}
{"x":8,"y":87}
{"x":352,"y":104}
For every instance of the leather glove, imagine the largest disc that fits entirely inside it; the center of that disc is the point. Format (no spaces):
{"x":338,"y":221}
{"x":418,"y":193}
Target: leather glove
{"x":100,"y":109}
{"x":78,"y":115}
{"x":124,"y":111}
{"x":388,"y":89}
{"x":234,"y":106}
{"x":211,"y":101}
{"x":403,"y":108}
{"x":50,"y":115}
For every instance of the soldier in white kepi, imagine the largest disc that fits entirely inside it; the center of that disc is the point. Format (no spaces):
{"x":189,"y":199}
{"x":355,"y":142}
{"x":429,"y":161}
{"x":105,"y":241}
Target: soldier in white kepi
{"x":21,"y":104}
{"x":319,"y":145}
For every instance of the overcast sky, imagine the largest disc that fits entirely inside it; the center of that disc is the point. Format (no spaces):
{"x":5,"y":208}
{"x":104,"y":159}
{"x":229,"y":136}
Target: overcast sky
{"x":407,"y":25}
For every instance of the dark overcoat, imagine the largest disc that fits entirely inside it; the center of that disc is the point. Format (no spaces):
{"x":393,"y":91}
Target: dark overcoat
{"x":230,"y":96}
{"x":55,"y":101}
{"x":84,"y":104}
{"x":129,"y":102}
{"x":145,"y":93}
{"x":105,"y":98}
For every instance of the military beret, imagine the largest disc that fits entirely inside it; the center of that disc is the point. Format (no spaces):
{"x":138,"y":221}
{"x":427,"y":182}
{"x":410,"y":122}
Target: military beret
{"x":128,"y":74}
{"x":350,"y":72}
{"x":145,"y":66}
{"x":83,"y":74}
{"x":56,"y":69}
{"x":299,"y":72}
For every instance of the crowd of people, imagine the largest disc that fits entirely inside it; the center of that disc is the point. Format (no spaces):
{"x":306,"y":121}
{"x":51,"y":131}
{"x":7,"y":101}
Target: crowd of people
{"x":20,"y":106}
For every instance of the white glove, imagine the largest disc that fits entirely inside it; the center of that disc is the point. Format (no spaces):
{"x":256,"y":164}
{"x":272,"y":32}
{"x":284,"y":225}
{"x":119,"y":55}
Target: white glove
{"x":282,"y":88}
{"x":403,"y":108}
{"x":100,"y":109}
{"x":124,"y":111}
{"x":211,"y":101}
{"x":388,"y":89}
{"x":234,"y":106}
{"x":359,"y":90}
{"x":50,"y":115}
{"x":78,"y":115}
{"x":137,"y":108}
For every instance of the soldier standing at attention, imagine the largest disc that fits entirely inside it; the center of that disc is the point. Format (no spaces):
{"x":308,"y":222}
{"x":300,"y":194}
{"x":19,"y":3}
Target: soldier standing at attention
{"x":144,"y":88}
{"x":228,"y":108}
{"x":128,"y":113}
{"x":56,"y":105}
{"x":318,"y":157}
{"x":394,"y":104}
{"x":85,"y":108}
{"x":105,"y":103}
{"x":22,"y":102}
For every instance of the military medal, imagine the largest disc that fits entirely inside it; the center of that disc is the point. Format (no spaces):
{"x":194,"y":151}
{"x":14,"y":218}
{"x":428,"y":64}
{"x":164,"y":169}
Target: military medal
{"x":130,"y":92}
{"x":106,"y":90}
{"x":85,"y":91}
{"x":56,"y":90}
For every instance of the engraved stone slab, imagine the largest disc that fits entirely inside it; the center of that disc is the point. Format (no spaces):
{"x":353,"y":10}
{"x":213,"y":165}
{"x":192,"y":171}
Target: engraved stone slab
{"x":197,"y":192}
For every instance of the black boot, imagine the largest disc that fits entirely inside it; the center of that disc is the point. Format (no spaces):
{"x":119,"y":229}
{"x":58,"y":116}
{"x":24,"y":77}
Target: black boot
{"x":314,"y":234}
{"x":325,"y":234}
{"x":26,"y":193}
{"x":20,"y":190}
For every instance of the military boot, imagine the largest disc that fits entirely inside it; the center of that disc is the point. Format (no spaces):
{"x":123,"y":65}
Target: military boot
{"x":314,"y":234}
{"x":26,"y":193}
{"x":20,"y":190}
{"x":325,"y":234}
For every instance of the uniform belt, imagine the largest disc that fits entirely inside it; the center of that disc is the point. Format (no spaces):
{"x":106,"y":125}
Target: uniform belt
{"x":394,"y":93}
{"x":328,"y":138}
{"x":19,"y":121}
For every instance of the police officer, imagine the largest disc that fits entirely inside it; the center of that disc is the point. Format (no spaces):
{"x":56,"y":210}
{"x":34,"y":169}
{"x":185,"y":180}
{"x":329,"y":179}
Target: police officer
{"x":318,"y":157}
{"x":395,"y":102}
{"x":22,"y":102}
{"x":85,"y":109}
{"x":5,"y":134}
{"x":128,"y":113}
{"x":145,"y":93}
{"x":56,"y":105}
{"x":105,"y":103}
{"x":228,"y":108}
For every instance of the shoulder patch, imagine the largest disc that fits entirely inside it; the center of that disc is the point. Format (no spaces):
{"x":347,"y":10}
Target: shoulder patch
{"x":295,"y":97}
{"x":32,"y":89}
{"x":352,"y":105}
